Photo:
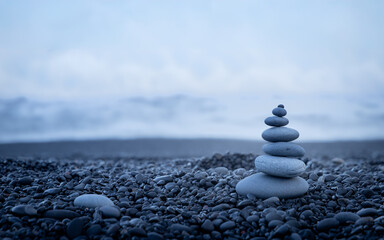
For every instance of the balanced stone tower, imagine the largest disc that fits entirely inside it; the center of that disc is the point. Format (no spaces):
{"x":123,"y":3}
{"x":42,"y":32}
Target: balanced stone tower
{"x":280,"y":168}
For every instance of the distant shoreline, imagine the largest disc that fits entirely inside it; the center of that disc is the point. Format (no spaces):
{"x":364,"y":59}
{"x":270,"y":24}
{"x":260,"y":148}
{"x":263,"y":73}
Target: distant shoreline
{"x":174,"y":147}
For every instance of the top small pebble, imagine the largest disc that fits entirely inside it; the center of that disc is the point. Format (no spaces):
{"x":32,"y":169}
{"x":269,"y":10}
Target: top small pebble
{"x":279,"y":111}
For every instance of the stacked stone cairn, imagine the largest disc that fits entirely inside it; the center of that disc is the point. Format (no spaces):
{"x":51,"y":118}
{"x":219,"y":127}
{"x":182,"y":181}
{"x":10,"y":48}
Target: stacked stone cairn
{"x":280,"y":167}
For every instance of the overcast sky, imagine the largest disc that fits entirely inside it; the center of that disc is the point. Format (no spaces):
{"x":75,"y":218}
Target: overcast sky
{"x":325,"y":59}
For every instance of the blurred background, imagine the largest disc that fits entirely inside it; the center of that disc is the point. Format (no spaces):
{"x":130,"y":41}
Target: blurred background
{"x":83,"y":70}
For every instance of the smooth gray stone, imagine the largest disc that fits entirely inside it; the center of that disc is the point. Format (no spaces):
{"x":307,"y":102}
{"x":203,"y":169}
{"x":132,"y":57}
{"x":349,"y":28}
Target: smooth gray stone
{"x":276,"y":121}
{"x":92,"y":200}
{"x":280,"y":112}
{"x":284,"y":149}
{"x":264,"y":186}
{"x":280,"y":134}
{"x":279,"y":166}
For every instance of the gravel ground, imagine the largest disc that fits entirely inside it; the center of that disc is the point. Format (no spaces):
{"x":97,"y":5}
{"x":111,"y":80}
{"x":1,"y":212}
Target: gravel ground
{"x":187,"y":198}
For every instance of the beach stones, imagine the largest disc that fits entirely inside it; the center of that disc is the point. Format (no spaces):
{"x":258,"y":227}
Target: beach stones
{"x":280,"y":168}
{"x":92,"y":200}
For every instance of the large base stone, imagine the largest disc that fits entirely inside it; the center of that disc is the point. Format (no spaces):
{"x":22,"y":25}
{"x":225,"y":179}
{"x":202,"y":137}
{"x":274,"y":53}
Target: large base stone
{"x":264,"y":186}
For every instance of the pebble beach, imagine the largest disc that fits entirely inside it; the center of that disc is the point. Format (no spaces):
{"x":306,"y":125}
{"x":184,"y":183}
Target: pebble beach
{"x":77,"y":197}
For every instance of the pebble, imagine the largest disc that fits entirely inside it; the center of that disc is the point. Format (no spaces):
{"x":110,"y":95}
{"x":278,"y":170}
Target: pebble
{"x":227,"y":225}
{"x":110,"y":211}
{"x":165,"y":178}
{"x":75,"y":227}
{"x":284,"y":149}
{"x":92,"y":201}
{"x":265,"y":186}
{"x":180,"y":227}
{"x":137,"y":231}
{"x":338,"y":161}
{"x":94,"y":230}
{"x":281,"y":231}
{"x":280,"y":134}
{"x":25,"y":181}
{"x":24,"y":210}
{"x":279,"y":166}
{"x":364,"y":221}
{"x":113,"y":229}
{"x":61,"y":214}
{"x":207,"y":226}
{"x":272,"y":201}
{"x":273,"y":216}
{"x":154,"y":236}
{"x":276,"y":121}
{"x":327,"y":224}
{"x":200,"y":175}
{"x":221,"y":170}
{"x":367,"y":212}
{"x":313,"y":176}
{"x":52,"y":191}
{"x":221,"y":207}
{"x":279,"y":112}
{"x":347,"y":217}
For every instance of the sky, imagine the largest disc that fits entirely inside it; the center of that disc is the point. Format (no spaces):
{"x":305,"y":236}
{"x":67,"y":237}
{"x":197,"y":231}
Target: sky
{"x":128,"y":69}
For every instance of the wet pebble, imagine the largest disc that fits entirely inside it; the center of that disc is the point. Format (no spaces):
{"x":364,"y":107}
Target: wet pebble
{"x":24,"y":210}
{"x":367,"y":212}
{"x":327,"y":224}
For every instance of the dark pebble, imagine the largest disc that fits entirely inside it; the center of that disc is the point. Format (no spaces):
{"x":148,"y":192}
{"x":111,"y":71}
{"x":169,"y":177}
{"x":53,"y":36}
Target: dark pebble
{"x":208,"y":226}
{"x":227,"y":225}
{"x":327,"y":224}
{"x":180,"y":227}
{"x":137,"y":231}
{"x":25,"y":181}
{"x":94,"y":230}
{"x":113,"y":229}
{"x":367,"y":212}
{"x":75,"y":227}
{"x":346,"y":217}
{"x":24,"y":210}
{"x":154,"y":236}
{"x":221,"y":207}
{"x":61,"y":214}
{"x":52,"y":191}
{"x":364,"y":221}
{"x":367,"y":193}
{"x":281,"y":231}
{"x":273,"y":216}
{"x":313,"y":176}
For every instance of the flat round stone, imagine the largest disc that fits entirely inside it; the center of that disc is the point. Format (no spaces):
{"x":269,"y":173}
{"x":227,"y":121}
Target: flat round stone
{"x":280,"y":134}
{"x":279,"y":166}
{"x":280,"y":112}
{"x":276,"y":121}
{"x":264,"y":186}
{"x":92,"y":200}
{"x":284,"y":149}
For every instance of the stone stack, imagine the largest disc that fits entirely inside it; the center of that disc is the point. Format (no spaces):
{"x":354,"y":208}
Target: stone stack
{"x":280,"y":168}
